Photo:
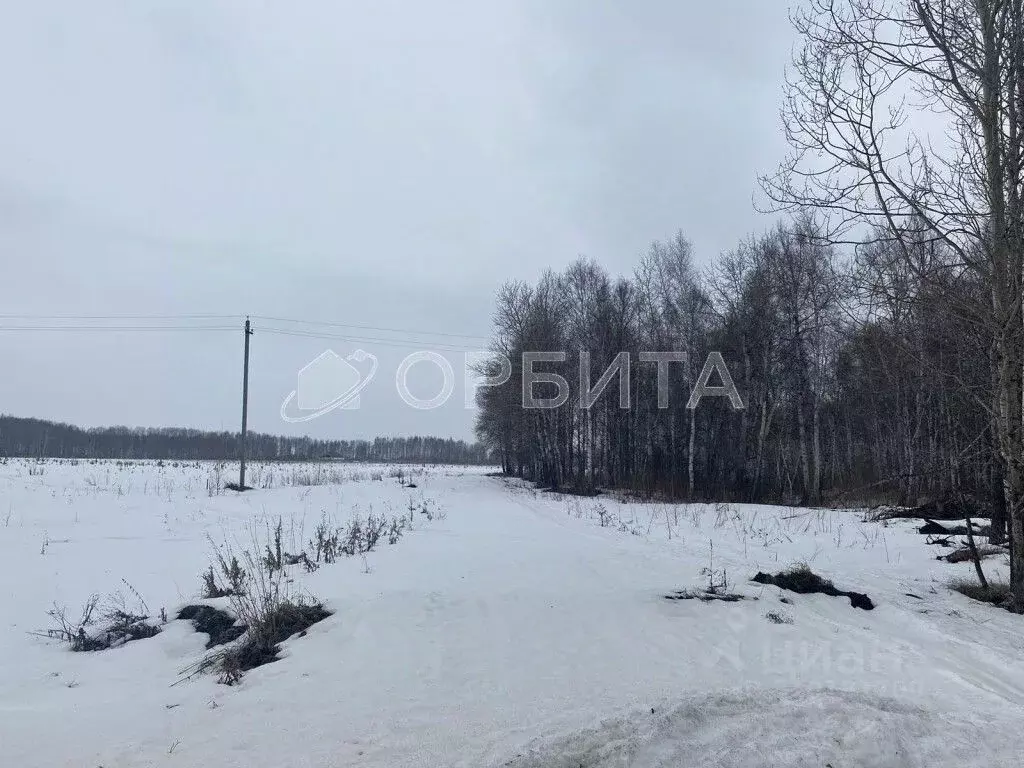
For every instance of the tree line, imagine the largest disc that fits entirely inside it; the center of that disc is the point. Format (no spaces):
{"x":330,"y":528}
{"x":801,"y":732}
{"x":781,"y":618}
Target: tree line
{"x":876,"y":335}
{"x":850,"y":379}
{"x":46,"y":439}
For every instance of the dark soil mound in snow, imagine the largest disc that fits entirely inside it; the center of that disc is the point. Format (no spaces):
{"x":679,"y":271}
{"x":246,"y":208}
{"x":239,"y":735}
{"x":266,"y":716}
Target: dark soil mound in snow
{"x":948,"y":509}
{"x":292,"y":618}
{"x":262,"y":645}
{"x":804,"y":581}
{"x":218,"y":624}
{"x":932,"y":528}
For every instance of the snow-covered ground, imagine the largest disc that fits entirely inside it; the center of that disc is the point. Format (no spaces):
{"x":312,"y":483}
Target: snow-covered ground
{"x":512,"y":630}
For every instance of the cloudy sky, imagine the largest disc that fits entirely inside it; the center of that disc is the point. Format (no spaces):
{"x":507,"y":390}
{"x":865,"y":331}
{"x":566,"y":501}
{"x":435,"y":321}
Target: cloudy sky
{"x":385,"y":165}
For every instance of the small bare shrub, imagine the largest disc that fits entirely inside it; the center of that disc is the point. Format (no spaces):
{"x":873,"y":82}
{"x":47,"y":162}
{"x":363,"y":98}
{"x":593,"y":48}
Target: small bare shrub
{"x":326,"y":541}
{"x":73,"y":632}
{"x":718,"y":579}
{"x":300,"y":559}
{"x":372,"y":531}
{"x":210,"y":587}
{"x":273,"y":557}
{"x":395,"y":530}
{"x":231,"y":578}
{"x":353,"y":538}
{"x":266,"y":608}
{"x":118,"y":624}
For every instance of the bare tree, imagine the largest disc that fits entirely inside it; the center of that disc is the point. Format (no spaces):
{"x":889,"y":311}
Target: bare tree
{"x":867,"y":70}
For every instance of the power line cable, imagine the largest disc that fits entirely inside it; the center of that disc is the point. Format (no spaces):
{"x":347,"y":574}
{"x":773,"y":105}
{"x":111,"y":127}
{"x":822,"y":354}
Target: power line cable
{"x":331,"y":324}
{"x":119,"y":317}
{"x":115,"y":328}
{"x":61,"y":322}
{"x":416,"y":344}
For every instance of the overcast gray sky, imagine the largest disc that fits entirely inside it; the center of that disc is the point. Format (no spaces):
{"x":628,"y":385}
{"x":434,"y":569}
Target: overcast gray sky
{"x":384,"y":163}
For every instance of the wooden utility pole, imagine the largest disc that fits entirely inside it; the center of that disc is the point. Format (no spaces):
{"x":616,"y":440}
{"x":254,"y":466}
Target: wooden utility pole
{"x":245,"y":407}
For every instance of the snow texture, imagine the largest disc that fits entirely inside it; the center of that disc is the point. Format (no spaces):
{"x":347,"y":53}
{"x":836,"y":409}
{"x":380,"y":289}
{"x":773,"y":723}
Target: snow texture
{"x":517,"y":628}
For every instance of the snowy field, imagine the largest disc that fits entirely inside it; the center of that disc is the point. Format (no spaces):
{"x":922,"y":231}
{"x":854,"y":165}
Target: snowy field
{"x":508,"y":627}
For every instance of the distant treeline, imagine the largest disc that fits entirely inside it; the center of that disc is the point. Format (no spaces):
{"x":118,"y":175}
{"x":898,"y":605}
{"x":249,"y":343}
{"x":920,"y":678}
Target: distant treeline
{"x":39,"y":438}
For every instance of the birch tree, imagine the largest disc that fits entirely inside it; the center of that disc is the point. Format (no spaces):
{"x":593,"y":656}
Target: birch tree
{"x":867,"y":74}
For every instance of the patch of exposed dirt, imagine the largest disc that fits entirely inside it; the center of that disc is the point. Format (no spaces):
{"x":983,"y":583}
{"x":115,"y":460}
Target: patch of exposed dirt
{"x":219,"y":625}
{"x":804,"y":581}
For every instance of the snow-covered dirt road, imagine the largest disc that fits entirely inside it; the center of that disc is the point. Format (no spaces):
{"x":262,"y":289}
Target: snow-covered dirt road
{"x":517,"y":630}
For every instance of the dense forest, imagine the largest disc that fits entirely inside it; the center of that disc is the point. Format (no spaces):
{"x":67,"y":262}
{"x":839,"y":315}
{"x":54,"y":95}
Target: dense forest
{"x":853,"y":385}
{"x":38,"y":438}
{"x":876,"y":336}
